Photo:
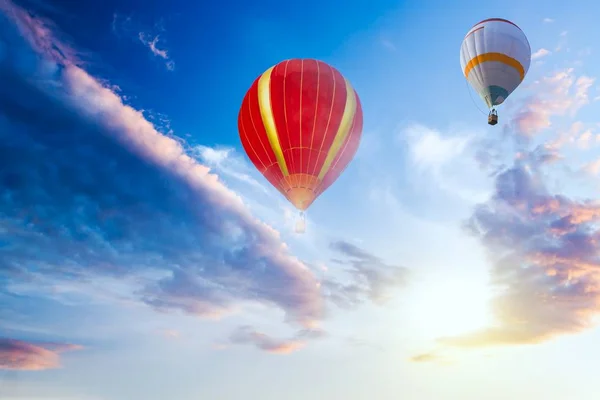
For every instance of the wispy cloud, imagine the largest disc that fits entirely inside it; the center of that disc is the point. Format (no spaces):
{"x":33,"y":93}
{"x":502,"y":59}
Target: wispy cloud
{"x":540,"y":53}
{"x":578,"y":135}
{"x":228,"y":163}
{"x":592,"y":168}
{"x":562,"y":42}
{"x":248,"y":335}
{"x":442,"y":158}
{"x":130,"y":28}
{"x":562,"y":93}
{"x":373,"y":279}
{"x":427,"y":358}
{"x":548,"y":20}
{"x":388,"y":44}
{"x":20,"y":355}
{"x":152,"y":43}
{"x":171,"y":333}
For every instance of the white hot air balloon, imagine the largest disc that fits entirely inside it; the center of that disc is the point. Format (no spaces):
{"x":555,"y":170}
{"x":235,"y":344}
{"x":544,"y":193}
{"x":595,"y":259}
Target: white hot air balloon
{"x":495,"y":56}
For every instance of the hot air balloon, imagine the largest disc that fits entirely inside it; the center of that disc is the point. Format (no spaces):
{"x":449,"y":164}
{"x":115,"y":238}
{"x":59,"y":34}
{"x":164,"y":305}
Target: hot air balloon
{"x":300,"y":124}
{"x":495,"y":56}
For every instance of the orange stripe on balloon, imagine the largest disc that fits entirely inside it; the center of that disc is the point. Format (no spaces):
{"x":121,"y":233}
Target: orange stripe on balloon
{"x":497,"y":57}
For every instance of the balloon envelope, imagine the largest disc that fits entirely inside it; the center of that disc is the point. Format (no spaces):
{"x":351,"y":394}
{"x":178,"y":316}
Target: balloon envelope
{"x":300,"y":124}
{"x":495,"y":57}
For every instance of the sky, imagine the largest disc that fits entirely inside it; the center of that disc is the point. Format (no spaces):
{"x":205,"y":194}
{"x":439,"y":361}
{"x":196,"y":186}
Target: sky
{"x":143,"y":256}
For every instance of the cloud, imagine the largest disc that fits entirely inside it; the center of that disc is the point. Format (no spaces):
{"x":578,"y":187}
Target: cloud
{"x":578,"y":135}
{"x":540,"y":53}
{"x":248,"y":335}
{"x":152,"y":43}
{"x":93,"y":191}
{"x":372,"y":279}
{"x":545,"y":257}
{"x":548,"y":20}
{"x":562,"y":42}
{"x":592,"y":168}
{"x":388,"y":44}
{"x":20,"y":355}
{"x":40,"y":34}
{"x":171,"y":334}
{"x":443,"y":158}
{"x":130,"y":28}
{"x":429,"y":149}
{"x":562,"y":93}
{"x":227,"y":163}
{"x":425,"y":357}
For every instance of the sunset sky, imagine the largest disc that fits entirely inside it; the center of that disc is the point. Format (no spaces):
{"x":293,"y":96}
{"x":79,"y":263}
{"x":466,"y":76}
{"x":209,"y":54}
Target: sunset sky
{"x":142,"y":256}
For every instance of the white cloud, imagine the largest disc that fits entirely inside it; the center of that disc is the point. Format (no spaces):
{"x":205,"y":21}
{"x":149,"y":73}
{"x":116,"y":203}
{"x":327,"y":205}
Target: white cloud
{"x":548,"y":20}
{"x":442,"y":158}
{"x":428,"y":149}
{"x":227,"y":162}
{"x":540,"y":53}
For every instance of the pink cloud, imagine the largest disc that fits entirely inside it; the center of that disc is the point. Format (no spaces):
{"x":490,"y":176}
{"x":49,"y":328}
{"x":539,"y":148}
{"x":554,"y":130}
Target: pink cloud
{"x":20,"y":355}
{"x":559,"y":94}
{"x":171,"y":333}
{"x":592,"y":168}
{"x":247,"y":335}
{"x":546,"y":260}
{"x":40,"y":33}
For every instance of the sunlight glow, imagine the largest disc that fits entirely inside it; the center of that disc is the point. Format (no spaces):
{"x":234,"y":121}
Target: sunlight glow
{"x":441,"y":306}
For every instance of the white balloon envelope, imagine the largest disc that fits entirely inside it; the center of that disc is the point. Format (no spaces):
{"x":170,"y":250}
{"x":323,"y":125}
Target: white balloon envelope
{"x":495,"y":56}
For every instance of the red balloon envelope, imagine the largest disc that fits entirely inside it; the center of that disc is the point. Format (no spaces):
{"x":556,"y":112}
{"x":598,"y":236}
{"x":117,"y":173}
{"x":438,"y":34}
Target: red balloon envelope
{"x":300,"y":124}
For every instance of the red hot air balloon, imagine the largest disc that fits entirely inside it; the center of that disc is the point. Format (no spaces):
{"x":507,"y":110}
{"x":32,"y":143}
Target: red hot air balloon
{"x":300,"y":124}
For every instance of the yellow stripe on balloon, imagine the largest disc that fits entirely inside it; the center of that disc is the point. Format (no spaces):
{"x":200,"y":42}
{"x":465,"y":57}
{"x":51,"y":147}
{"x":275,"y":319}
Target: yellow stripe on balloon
{"x":497,"y":57}
{"x":266,"y":113}
{"x":343,"y":129}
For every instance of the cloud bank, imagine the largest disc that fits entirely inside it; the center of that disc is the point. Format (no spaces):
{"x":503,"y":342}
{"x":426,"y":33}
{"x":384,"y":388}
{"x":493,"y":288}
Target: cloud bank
{"x":92,"y":189}
{"x":545,"y":260}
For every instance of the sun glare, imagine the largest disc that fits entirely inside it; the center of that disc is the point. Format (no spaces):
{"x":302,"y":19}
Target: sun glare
{"x":442,"y":306}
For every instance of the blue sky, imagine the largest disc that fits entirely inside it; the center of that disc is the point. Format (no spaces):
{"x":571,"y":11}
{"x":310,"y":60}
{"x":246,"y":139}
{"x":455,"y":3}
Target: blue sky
{"x":142,"y":256}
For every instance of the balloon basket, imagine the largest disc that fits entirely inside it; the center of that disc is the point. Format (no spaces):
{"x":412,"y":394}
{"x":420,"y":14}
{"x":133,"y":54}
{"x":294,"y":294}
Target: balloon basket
{"x":300,"y":224}
{"x":493,"y":117}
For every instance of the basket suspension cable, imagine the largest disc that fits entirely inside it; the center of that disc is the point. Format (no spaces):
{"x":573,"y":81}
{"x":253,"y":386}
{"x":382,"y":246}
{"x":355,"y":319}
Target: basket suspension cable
{"x":472,"y":99}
